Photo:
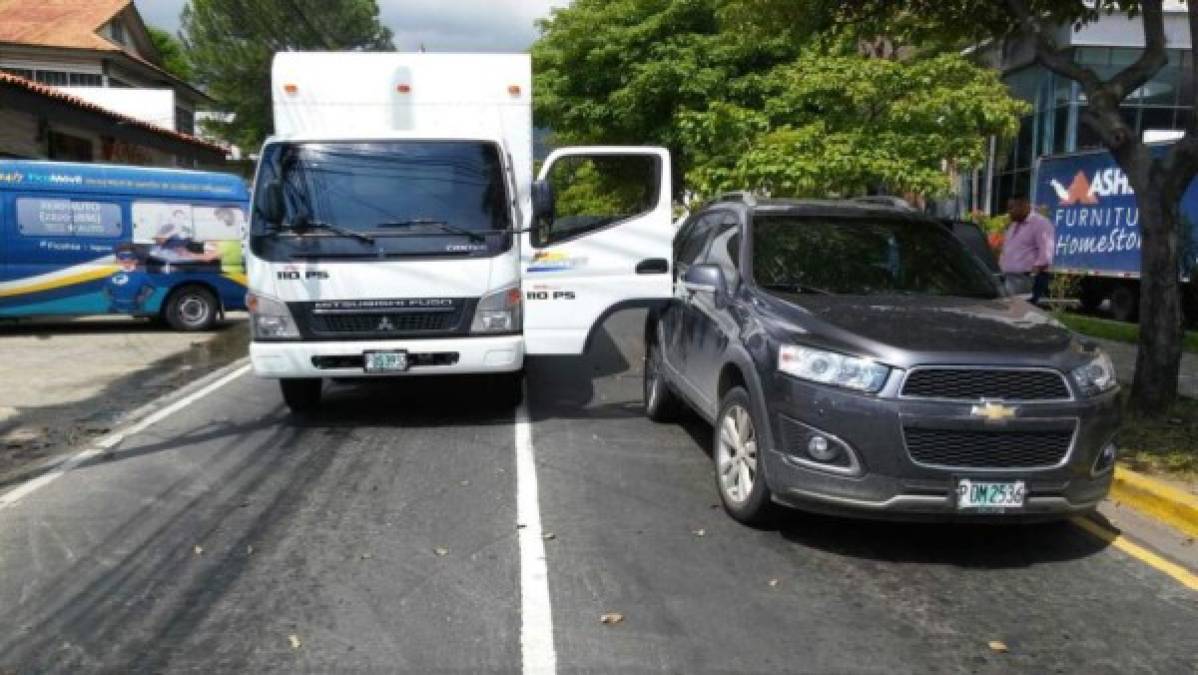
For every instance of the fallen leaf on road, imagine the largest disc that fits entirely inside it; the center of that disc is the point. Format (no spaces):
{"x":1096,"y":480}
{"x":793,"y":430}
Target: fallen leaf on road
{"x":699,"y":533}
{"x":465,"y":483}
{"x":366,"y":556}
{"x":441,"y":552}
{"x":773,"y":583}
{"x":998,"y":646}
{"x":199,"y":550}
{"x":611,"y":618}
{"x":548,"y":536}
{"x":249,"y":550}
{"x":295,"y":641}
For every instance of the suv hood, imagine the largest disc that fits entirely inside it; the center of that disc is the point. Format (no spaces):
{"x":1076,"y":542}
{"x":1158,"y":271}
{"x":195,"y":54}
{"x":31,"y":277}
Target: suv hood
{"x":911,"y":330}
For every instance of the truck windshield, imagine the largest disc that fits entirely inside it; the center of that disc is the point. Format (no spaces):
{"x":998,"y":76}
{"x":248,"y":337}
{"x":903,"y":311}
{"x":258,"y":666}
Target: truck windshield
{"x":437,"y":190}
{"x":845,"y":256}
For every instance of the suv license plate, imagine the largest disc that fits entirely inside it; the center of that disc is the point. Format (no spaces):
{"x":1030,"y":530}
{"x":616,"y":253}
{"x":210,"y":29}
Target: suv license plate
{"x":990,"y":496}
{"x":386,"y":362}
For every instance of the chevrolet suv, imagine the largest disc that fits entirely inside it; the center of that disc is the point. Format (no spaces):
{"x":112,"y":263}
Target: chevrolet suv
{"x":857,"y":358}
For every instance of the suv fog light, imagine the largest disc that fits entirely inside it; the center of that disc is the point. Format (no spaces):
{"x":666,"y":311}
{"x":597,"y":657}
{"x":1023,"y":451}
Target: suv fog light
{"x":1106,"y":459}
{"x":814,"y":448}
{"x":820,"y":450}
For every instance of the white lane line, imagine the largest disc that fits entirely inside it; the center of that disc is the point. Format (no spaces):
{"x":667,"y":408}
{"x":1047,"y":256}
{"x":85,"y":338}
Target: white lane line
{"x":112,"y":440}
{"x":536,"y":618}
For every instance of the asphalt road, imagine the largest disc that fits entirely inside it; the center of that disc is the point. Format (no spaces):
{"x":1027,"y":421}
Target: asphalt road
{"x":382,"y":536}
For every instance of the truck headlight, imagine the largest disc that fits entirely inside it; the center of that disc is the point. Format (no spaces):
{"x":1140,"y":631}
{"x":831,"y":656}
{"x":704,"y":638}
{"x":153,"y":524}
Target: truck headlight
{"x":818,"y":365}
{"x":498,"y":312}
{"x":1097,"y":376}
{"x":270,"y":319}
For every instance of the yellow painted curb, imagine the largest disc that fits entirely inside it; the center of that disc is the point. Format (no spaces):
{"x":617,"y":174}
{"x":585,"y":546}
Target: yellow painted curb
{"x":1156,"y":499}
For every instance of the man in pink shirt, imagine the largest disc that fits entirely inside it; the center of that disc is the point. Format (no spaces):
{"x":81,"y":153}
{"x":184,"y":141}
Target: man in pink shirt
{"x":1028,"y":246}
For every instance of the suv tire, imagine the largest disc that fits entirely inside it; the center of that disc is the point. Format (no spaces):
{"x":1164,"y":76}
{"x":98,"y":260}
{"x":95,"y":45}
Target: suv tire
{"x":302,"y":396}
{"x":739,"y":460}
{"x":661,"y":403}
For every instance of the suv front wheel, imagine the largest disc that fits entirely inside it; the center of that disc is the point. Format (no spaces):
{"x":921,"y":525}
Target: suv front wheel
{"x":739,"y":465}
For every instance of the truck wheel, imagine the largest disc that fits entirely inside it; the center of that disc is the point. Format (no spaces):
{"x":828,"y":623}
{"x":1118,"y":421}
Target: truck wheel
{"x":661,"y":404}
{"x":1125,"y":302}
{"x":302,"y":396}
{"x":191,"y":309}
{"x":740,"y":460}
{"x":1091,"y":296}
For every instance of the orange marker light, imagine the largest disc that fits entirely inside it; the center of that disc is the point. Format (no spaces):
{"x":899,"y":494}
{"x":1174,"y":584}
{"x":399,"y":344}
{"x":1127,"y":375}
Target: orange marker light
{"x":291,"y":89}
{"x":404,"y":88}
{"x":513,"y":89}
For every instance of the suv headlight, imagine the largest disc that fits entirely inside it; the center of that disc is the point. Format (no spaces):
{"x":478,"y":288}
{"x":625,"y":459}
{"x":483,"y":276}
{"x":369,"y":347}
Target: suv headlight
{"x":270,"y":319}
{"x":1097,"y":376}
{"x":498,"y":312}
{"x":818,"y":365}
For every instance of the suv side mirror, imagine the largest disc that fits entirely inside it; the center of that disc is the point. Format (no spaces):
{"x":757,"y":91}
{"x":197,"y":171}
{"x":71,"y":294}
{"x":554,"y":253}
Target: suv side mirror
{"x":544,"y":202}
{"x":269,"y":203}
{"x":705,"y":278}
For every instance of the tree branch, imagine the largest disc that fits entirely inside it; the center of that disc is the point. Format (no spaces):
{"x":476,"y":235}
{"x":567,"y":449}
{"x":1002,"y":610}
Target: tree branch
{"x":1151,"y":60}
{"x":1049,"y":53}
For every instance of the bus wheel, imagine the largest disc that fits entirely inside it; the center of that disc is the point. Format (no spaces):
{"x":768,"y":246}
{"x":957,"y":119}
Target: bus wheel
{"x":191,"y":309}
{"x":1125,"y":302}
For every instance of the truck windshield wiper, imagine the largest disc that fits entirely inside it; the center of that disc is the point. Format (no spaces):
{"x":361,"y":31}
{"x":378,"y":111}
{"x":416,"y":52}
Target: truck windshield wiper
{"x":307,"y":224}
{"x":439,"y":224}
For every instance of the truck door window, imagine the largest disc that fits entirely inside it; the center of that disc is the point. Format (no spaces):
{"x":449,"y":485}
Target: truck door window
{"x":595,"y":192}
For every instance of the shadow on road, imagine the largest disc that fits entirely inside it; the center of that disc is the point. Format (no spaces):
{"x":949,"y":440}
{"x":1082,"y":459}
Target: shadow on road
{"x":48,"y":328}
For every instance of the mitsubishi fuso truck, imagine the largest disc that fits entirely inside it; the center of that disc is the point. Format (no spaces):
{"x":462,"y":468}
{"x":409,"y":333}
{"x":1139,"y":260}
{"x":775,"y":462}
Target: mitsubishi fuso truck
{"x":394,"y":230}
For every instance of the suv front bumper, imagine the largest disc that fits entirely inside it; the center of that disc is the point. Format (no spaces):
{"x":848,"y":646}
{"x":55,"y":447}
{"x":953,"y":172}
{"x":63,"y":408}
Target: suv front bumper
{"x":890,"y":483}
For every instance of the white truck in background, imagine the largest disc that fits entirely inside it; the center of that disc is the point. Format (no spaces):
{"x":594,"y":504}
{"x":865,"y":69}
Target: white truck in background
{"x":394,"y":230}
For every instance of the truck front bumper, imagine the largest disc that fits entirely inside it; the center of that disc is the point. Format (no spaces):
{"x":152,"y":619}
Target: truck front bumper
{"x":450,"y":356}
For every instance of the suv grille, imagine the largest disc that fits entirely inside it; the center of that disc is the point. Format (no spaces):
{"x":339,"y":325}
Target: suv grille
{"x":975,"y":384}
{"x":977,"y":449}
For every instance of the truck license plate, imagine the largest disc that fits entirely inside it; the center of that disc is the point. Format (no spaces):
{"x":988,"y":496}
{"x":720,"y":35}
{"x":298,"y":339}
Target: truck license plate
{"x":386,"y":362}
{"x":990,"y":496}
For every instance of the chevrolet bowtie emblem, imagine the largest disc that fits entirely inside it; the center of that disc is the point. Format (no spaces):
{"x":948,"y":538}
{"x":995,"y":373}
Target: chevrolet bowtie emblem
{"x":993,"y":412}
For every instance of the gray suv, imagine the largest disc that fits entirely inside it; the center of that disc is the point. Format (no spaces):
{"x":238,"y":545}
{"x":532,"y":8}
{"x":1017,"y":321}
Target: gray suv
{"x":857,"y":358}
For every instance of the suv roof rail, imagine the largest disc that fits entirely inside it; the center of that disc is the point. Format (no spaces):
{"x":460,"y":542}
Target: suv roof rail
{"x":742,"y":196}
{"x":885,"y":200}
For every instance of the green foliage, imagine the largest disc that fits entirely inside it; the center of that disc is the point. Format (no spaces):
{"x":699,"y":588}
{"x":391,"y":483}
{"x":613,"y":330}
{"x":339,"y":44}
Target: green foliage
{"x":232,"y":42}
{"x":174,"y":58}
{"x":754,"y":94}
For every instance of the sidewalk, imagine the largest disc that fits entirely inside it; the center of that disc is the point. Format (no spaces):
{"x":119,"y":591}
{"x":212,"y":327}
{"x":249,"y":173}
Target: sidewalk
{"x":1124,"y":356}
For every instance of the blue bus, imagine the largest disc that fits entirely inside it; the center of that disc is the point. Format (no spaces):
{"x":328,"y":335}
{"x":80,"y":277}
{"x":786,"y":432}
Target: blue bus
{"x":87,"y":239}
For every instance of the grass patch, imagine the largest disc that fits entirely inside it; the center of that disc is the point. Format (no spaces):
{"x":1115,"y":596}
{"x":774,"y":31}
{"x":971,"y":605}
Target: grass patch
{"x":1117,"y":331}
{"x":1165,"y":445}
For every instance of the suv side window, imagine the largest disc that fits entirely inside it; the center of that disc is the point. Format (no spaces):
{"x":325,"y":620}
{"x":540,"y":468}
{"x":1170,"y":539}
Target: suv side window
{"x":725,"y":248}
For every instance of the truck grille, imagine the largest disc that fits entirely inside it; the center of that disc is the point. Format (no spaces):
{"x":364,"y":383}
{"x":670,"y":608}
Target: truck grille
{"x":383,"y":319}
{"x":987,"y":449}
{"x":975,"y":384}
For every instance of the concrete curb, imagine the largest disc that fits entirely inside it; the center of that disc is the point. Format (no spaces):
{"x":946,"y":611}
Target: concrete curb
{"x":1156,"y":499}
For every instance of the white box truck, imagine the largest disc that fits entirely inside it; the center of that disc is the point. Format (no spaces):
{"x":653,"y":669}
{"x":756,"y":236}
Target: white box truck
{"x":394,"y":231}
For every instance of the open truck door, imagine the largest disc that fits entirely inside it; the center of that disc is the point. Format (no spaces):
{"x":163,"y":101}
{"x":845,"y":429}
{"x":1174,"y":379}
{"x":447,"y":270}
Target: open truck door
{"x":600,"y":239}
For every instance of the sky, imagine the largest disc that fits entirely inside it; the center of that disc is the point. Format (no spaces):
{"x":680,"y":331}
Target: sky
{"x":439,"y":25}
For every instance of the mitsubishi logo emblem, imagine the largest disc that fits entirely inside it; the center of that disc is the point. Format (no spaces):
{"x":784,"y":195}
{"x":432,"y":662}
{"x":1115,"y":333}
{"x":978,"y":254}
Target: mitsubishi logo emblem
{"x":993,"y":412}
{"x":385,"y":325}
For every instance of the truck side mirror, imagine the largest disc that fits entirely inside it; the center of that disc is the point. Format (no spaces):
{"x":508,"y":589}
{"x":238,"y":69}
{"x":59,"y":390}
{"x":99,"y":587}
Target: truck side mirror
{"x":544,"y":202}
{"x":269,"y":203}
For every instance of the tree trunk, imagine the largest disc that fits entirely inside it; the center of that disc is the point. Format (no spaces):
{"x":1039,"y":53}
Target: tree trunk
{"x":1158,"y":358}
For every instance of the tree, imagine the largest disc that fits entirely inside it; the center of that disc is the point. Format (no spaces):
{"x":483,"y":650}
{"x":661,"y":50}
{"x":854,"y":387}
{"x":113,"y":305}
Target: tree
{"x":232,"y":42}
{"x":1159,"y":182}
{"x":174,"y":58}
{"x":761,"y":94}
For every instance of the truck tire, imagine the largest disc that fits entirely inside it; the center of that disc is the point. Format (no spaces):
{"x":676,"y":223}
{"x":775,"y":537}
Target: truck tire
{"x":302,"y":396}
{"x":507,"y":390}
{"x":1091,"y":296}
{"x":191,"y":309}
{"x":1125,"y":302}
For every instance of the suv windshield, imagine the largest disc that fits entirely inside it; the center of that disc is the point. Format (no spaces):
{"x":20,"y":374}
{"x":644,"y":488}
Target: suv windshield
{"x":436,"y":191}
{"x":851,"y":256}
